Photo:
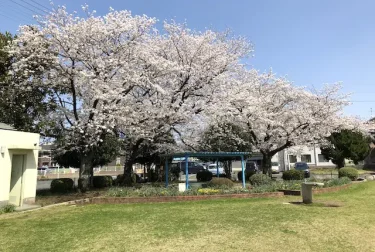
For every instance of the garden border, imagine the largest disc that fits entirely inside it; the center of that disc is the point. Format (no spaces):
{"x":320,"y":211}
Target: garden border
{"x":160,"y":199}
{"x":127,"y":200}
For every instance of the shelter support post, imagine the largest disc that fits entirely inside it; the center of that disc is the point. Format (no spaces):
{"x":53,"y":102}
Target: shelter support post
{"x":187,"y":171}
{"x":243,"y":172}
{"x":166,"y":172}
{"x":217,"y":168}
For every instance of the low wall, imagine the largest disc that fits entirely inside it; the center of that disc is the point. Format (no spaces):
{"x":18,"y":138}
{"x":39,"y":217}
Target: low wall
{"x":126,"y":200}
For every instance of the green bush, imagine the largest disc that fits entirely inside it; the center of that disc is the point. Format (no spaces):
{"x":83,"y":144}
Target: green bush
{"x":102,"y":181}
{"x":8,"y":209}
{"x":248,"y":174}
{"x":144,"y":191}
{"x":349,"y":172}
{"x":120,"y":179}
{"x":293,"y":175}
{"x":220,"y":182}
{"x":204,"y":176}
{"x":260,"y":179}
{"x":263,"y":188}
{"x":62,"y":185}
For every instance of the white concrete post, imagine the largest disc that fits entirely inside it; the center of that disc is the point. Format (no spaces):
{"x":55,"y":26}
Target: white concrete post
{"x":306,"y":191}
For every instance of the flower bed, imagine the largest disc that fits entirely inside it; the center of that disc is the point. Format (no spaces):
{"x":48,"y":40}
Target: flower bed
{"x":125,"y":200}
{"x":293,"y":187}
{"x":123,"y":195}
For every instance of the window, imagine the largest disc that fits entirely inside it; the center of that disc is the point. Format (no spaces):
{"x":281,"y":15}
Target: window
{"x":292,"y":158}
{"x":306,"y":158}
{"x":321,"y":158}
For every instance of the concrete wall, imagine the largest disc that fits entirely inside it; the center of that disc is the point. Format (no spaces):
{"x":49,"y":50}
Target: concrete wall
{"x":18,"y":143}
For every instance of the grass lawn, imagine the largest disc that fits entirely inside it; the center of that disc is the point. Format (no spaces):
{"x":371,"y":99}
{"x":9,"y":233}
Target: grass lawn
{"x":213,"y":225}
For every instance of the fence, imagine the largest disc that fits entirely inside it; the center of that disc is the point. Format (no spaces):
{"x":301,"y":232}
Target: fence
{"x":73,"y":172}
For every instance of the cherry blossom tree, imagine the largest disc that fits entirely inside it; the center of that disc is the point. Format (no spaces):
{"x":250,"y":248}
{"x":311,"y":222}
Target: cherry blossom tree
{"x":193,"y":67}
{"x":278,"y":115}
{"x":91,"y":65}
{"x":118,"y":73}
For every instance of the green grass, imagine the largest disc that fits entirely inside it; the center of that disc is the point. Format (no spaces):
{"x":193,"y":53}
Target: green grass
{"x":212,"y":225}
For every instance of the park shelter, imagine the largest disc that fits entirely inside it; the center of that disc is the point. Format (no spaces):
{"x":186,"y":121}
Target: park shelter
{"x":187,"y":155}
{"x":18,"y":166}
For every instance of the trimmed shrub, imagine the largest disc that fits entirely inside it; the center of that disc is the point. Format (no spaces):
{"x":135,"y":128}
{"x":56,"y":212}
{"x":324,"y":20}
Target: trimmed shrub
{"x":120,"y":179}
{"x":220,"y":182}
{"x":293,"y":175}
{"x":8,"y":209}
{"x":248,"y":174}
{"x":349,"y":172}
{"x":62,"y":185}
{"x":260,"y":179}
{"x":204,"y":176}
{"x":102,"y":181}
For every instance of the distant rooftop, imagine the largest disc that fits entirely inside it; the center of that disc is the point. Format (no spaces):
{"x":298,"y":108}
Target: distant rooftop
{"x":6,"y":126}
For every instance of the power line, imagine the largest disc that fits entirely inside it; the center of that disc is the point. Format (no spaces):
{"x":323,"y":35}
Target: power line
{"x":9,"y":17}
{"x":33,"y":11}
{"x":25,"y":16}
{"x":41,"y":5}
{"x":34,"y":6}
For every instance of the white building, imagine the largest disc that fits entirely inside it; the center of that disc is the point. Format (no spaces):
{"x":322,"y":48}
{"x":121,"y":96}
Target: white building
{"x":310,"y":155}
{"x":18,"y":166}
{"x":287,"y":158}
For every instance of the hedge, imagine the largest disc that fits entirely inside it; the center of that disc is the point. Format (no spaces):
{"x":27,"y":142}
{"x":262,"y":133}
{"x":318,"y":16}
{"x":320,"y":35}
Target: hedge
{"x":62,"y":185}
{"x":203,"y":176}
{"x":248,"y":174}
{"x":220,"y":182}
{"x":102,"y":181}
{"x":349,"y":172}
{"x":260,"y":179}
{"x":293,"y":175}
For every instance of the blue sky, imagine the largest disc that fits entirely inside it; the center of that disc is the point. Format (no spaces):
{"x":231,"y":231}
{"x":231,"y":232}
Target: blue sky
{"x":310,"y":42}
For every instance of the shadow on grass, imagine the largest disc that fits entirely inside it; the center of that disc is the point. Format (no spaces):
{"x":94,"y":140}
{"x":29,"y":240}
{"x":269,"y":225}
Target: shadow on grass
{"x":318,"y":204}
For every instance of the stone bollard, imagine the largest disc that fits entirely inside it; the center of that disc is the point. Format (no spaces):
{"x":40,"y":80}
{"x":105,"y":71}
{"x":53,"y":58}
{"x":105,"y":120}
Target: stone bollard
{"x":306,"y":191}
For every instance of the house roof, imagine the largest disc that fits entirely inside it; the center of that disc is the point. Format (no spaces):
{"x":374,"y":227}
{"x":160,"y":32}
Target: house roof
{"x":6,"y":126}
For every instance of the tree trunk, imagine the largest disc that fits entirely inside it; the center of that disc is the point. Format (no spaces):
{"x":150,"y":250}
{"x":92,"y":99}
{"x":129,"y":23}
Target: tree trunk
{"x":340,"y":163}
{"x":128,"y":173}
{"x":228,"y":168}
{"x":149,"y":172}
{"x":85,"y":172}
{"x":267,"y":164}
{"x":144,"y":173}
